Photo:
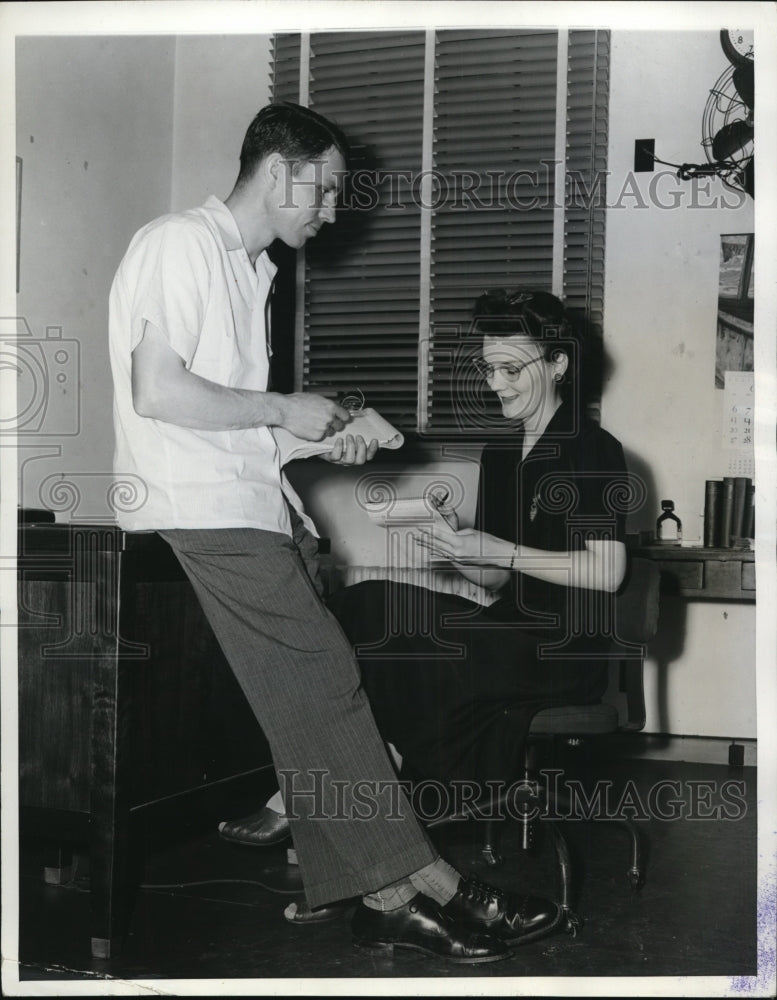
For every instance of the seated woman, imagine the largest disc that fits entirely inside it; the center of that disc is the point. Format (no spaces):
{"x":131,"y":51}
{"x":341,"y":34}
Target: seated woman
{"x":456,"y":697}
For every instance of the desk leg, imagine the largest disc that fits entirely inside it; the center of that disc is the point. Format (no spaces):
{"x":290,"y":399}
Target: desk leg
{"x":59,"y":865}
{"x":110,"y":891}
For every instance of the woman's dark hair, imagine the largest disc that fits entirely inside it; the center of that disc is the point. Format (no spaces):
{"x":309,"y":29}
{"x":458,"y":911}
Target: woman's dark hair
{"x":543,"y":317}
{"x":297,"y":133}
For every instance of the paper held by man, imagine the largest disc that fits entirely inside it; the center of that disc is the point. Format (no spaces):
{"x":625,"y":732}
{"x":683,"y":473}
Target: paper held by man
{"x":367,"y":422}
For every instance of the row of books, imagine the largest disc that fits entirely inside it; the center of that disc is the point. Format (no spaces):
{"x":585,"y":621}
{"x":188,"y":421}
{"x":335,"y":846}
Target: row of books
{"x":729,"y":511}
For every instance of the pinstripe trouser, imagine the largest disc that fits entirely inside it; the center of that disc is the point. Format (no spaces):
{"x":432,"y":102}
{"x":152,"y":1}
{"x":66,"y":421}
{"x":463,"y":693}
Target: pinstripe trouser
{"x":353,"y":829}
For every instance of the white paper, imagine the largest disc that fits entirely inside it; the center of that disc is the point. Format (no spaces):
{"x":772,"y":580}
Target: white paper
{"x":368,"y":423}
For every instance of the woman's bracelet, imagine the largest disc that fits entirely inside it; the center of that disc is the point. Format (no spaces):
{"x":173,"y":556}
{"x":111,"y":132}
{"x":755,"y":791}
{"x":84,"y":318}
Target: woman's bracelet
{"x":512,"y":557}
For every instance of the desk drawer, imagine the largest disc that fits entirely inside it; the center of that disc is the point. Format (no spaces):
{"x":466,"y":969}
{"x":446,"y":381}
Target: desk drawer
{"x":723,"y":578}
{"x":680,"y":576}
{"x":712,"y":574}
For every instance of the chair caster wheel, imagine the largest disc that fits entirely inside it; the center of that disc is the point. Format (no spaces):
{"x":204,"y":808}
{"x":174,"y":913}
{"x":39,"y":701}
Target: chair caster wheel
{"x":636,"y":878}
{"x":491,"y":856}
{"x":572,"y":923}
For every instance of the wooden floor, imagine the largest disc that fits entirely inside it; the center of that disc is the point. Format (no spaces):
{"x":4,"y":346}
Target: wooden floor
{"x":210,"y":911}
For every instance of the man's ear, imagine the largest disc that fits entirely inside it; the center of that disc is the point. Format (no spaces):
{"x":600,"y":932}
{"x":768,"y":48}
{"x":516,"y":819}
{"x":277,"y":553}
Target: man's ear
{"x":273,"y":166}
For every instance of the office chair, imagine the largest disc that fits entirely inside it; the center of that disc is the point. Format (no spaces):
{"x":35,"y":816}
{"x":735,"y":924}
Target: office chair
{"x":535,"y":806}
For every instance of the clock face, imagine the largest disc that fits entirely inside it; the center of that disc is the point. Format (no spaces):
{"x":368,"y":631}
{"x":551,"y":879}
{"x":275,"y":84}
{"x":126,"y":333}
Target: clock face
{"x":737,"y":43}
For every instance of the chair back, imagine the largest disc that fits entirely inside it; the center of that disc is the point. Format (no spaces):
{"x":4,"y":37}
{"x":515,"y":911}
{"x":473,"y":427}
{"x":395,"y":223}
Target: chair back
{"x":637,"y":602}
{"x":636,"y":622}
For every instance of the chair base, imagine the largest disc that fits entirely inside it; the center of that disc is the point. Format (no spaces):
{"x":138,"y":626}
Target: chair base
{"x":530,"y":802}
{"x":535,"y":810}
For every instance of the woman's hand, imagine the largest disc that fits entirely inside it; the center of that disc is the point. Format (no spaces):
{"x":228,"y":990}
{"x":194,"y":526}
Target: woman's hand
{"x":439,"y":500}
{"x":601,"y":565}
{"x":467,"y":546}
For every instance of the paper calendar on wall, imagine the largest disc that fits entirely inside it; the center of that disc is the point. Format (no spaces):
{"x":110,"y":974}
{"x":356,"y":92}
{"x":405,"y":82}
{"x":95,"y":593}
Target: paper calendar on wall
{"x":738,"y":413}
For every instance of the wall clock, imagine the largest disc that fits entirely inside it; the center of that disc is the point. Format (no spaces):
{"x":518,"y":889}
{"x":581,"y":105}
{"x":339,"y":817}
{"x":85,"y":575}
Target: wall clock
{"x":737,"y":43}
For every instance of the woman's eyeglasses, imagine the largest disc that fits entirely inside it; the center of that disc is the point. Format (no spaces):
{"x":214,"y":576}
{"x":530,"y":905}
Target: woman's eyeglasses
{"x":508,"y":370}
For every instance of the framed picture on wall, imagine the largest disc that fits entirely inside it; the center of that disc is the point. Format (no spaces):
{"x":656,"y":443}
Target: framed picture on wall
{"x":734,"y":350}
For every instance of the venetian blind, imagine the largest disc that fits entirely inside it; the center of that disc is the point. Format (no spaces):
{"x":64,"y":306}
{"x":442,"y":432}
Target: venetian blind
{"x":494,"y":132}
{"x":361,"y":294}
{"x":586,"y":170}
{"x":491,"y":211}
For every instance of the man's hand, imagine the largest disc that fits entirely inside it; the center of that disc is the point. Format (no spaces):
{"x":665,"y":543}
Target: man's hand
{"x":311,"y":416}
{"x":352,"y":451}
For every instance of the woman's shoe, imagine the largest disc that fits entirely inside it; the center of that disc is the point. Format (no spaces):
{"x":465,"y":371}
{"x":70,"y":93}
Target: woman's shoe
{"x":422,"y":925}
{"x":515,"y":919}
{"x":260,"y":829}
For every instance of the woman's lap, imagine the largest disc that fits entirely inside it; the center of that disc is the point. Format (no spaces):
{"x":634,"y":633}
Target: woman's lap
{"x":452,"y":685}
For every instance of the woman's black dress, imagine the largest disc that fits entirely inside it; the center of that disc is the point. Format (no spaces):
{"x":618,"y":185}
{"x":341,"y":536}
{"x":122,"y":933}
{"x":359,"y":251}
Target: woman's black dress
{"x":441,"y":672}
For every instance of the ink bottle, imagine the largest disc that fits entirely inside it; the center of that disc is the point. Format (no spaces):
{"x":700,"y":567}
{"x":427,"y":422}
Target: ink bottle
{"x":669,"y":527}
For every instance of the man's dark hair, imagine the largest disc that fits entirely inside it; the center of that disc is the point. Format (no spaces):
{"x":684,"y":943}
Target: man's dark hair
{"x":297,"y":133}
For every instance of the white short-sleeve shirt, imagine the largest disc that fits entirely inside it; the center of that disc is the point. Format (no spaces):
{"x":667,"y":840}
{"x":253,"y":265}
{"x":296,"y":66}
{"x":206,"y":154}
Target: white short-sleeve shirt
{"x":189,"y":275}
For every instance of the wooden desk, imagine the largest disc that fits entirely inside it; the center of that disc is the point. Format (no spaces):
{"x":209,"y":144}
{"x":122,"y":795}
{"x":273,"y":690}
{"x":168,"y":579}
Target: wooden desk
{"x":125,"y":703}
{"x":705,"y":574}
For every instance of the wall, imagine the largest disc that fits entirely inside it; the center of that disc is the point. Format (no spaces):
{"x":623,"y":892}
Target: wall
{"x":94,"y":126}
{"x":660,"y":318}
{"x":220,"y":84}
{"x":113,"y":131}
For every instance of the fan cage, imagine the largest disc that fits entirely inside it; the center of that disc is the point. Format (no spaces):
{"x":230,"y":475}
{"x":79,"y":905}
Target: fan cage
{"x":724,"y":107}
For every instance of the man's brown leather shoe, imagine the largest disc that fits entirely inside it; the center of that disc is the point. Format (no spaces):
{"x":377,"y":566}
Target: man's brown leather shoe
{"x":422,"y":925}
{"x":515,"y":919}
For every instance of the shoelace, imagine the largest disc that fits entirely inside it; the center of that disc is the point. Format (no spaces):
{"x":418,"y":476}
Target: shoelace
{"x":481,"y":892}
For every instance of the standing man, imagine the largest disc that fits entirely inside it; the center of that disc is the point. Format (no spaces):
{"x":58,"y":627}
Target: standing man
{"x":194,"y":418}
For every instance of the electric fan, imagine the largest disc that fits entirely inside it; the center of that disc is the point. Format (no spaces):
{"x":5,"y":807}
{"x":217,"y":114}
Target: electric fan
{"x":728,"y":126}
{"x":728,"y":122}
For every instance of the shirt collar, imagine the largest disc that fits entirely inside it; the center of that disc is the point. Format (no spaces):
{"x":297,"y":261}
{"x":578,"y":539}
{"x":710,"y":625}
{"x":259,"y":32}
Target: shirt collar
{"x":224,"y":221}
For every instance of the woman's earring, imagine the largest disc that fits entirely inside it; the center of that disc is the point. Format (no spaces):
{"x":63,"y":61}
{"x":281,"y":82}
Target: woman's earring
{"x":558,"y":377}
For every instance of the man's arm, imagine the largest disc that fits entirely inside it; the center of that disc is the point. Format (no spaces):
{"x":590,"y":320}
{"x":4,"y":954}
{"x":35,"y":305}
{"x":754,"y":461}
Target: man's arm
{"x":162,"y":388}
